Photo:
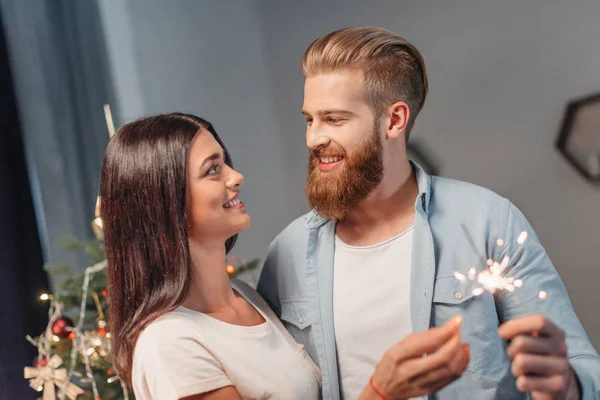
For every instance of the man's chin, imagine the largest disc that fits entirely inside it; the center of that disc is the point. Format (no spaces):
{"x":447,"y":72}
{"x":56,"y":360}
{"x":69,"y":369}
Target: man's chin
{"x":325,"y":204}
{"x":334,"y":215}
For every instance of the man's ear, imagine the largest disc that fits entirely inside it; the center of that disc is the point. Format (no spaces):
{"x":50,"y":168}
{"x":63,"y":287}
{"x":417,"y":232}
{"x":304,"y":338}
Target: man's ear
{"x":399,"y":113}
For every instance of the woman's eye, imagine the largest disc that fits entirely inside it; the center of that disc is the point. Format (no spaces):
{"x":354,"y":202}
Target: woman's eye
{"x":214,"y":170}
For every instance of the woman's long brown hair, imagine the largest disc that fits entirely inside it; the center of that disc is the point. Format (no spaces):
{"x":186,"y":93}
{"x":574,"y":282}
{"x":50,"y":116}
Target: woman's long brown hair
{"x":142,"y":187}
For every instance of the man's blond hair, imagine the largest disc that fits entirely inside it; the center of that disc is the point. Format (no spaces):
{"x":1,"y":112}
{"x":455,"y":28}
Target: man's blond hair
{"x":392,"y":69}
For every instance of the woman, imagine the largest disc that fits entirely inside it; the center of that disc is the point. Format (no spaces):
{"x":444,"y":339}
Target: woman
{"x":180,"y":328}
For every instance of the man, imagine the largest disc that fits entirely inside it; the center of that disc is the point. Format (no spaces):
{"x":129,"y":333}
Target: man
{"x":375,"y":259}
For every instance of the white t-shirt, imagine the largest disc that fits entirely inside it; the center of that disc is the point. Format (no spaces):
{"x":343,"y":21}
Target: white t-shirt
{"x":371,"y":306}
{"x":186,"y":352}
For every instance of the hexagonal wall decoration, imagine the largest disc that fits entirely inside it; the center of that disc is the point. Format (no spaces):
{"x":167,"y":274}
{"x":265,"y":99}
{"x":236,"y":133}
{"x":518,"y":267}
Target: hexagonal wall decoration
{"x":579,"y":137}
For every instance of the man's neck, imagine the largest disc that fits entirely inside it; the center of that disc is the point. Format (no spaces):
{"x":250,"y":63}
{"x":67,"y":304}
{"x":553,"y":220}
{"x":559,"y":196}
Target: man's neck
{"x":387,"y":212}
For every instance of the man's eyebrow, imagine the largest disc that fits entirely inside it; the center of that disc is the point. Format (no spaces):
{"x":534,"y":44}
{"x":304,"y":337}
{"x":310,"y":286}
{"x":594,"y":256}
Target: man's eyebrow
{"x":324,"y":113}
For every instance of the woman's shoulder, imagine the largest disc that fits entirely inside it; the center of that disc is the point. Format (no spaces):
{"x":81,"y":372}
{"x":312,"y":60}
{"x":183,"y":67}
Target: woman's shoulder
{"x":170,"y":327}
{"x":243,"y":288}
{"x":250,"y":294}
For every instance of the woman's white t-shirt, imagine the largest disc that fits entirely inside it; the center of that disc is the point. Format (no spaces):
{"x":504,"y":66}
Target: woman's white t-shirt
{"x":186,"y":352}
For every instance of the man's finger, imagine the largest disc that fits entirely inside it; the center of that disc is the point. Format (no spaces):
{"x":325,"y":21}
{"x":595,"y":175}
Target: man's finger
{"x":526,"y":364}
{"x":434,"y":387}
{"x":452,"y":371}
{"x":443,"y":357}
{"x":535,"y":345}
{"x":549,"y":385}
{"x":417,"y":344}
{"x":535,"y":325}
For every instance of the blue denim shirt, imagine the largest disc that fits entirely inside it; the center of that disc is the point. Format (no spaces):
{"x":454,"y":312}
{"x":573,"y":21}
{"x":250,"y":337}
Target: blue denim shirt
{"x":456,"y":226}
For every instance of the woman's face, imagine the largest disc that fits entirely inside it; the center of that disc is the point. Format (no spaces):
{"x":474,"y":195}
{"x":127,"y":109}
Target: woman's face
{"x":213,"y":208}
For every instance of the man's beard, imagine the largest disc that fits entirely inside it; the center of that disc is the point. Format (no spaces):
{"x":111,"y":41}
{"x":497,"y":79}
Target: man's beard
{"x":334,"y":194}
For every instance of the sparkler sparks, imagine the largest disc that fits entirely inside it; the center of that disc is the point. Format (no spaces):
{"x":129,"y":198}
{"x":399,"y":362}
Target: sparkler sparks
{"x":522,"y":237}
{"x":472,"y":273}
{"x":493,"y":278}
{"x":460,"y":276}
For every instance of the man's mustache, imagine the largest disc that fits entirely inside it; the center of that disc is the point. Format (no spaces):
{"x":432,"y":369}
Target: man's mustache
{"x":327,"y":152}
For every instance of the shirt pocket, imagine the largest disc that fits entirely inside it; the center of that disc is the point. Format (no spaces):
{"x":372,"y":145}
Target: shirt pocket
{"x":480,"y":321}
{"x":298,"y":316}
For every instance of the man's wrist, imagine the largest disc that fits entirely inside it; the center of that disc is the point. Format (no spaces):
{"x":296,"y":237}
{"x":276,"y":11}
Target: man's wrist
{"x":368,"y":394}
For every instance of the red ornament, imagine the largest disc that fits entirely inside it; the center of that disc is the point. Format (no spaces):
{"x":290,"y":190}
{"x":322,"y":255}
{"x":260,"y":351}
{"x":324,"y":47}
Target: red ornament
{"x":109,"y":372}
{"x":105,"y":293}
{"x":38,"y":364}
{"x":60,"y":325}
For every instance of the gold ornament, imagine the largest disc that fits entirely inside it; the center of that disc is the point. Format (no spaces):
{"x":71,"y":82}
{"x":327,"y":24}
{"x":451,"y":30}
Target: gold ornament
{"x":97,"y":347}
{"x":48,"y":376}
{"x":96,"y":342}
{"x":97,"y":222}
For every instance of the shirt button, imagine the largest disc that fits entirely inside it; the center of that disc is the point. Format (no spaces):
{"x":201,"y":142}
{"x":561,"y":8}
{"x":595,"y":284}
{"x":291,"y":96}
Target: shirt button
{"x":300,"y":319}
{"x":458,"y":295}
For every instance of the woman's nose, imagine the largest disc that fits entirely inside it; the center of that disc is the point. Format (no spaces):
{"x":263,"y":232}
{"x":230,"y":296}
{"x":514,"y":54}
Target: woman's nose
{"x":234,"y":179}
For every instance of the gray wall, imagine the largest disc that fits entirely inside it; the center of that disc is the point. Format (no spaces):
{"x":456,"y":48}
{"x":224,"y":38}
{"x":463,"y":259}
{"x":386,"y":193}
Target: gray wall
{"x":500,"y":74}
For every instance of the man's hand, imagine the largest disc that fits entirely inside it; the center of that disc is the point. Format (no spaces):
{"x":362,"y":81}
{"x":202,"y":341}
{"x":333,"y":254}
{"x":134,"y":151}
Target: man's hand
{"x":539,"y":358}
{"x":420,"y":364}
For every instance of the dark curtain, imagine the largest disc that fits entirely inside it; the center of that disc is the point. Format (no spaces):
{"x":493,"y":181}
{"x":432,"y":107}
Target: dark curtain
{"x":22,"y":278}
{"x":62,"y":80}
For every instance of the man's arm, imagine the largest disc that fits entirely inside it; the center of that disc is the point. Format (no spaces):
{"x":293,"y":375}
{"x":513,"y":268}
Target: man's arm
{"x":544,"y":331}
{"x":268,"y":282}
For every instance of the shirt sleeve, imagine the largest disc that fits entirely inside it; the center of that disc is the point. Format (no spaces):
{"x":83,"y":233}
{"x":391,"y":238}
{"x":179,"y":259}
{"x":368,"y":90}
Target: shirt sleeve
{"x":268,"y":283}
{"x":176,"y":366}
{"x":531,"y":264}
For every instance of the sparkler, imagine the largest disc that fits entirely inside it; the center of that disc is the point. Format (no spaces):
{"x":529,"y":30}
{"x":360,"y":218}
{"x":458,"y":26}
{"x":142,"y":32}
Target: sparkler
{"x":493,"y":278}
